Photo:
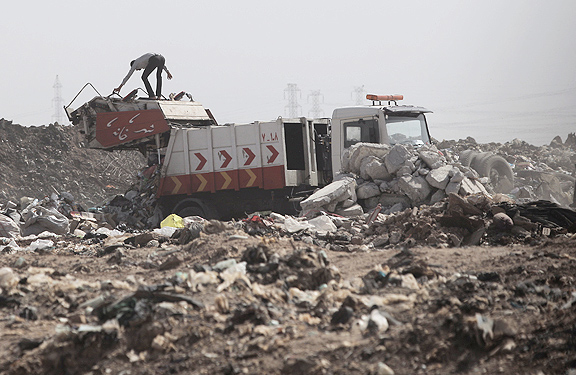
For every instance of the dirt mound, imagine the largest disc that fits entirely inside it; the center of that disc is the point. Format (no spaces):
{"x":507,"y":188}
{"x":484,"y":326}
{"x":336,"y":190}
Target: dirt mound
{"x":40,"y":161}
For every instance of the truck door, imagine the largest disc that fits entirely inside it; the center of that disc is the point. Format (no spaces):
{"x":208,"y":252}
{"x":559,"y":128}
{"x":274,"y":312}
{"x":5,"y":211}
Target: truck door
{"x":300,"y":152}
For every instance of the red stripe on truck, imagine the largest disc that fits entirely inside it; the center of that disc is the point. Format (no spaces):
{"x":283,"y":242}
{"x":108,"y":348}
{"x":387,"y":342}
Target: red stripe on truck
{"x":265,"y":178}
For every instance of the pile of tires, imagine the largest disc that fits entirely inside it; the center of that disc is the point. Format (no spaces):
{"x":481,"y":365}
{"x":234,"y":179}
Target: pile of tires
{"x":495,"y":167}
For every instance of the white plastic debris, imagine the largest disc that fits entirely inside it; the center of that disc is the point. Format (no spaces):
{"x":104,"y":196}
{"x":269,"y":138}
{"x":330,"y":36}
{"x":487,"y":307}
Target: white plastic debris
{"x":322,"y":224}
{"x":165,"y":232}
{"x":277,"y":218}
{"x":485,"y":325}
{"x":330,"y":195}
{"x":291,"y":225}
{"x":384,"y":369}
{"x":224,"y":264}
{"x":109,"y":232}
{"x":375,"y":322}
{"x":38,"y":219}
{"x":8,"y":243}
{"x":232,"y":274}
{"x":40,"y":245}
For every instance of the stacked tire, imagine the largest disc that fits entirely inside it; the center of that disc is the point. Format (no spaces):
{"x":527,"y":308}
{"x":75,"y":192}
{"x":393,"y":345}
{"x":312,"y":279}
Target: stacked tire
{"x":495,"y":167}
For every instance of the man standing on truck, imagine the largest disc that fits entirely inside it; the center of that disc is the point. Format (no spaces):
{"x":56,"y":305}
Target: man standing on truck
{"x":148,"y":62}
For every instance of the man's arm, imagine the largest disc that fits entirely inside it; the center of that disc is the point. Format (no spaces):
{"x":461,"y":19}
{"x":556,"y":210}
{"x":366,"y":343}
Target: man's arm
{"x":167,"y":72}
{"x":132,"y":69}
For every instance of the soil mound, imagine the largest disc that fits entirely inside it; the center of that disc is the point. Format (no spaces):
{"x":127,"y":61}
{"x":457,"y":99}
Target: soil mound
{"x":40,"y":161}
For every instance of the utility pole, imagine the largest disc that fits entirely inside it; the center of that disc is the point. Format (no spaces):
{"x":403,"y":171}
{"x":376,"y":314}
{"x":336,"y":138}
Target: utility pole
{"x":57,"y":102}
{"x":316,"y":111}
{"x":294,"y":109}
{"x":358,"y":95}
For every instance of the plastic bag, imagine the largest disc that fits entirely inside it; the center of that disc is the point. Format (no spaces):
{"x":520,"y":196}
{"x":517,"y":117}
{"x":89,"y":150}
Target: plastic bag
{"x":39,"y":219}
{"x":322,"y":224}
{"x":173,"y":221}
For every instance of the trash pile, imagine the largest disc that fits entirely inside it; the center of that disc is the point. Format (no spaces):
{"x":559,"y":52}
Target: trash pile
{"x":259,"y":296}
{"x":540,"y":173}
{"x":394,"y":290}
{"x":47,"y":215}
{"x":453,"y":221}
{"x":396,"y":178}
{"x":38,"y":161}
{"x":407,"y":264}
{"x":137,"y":207}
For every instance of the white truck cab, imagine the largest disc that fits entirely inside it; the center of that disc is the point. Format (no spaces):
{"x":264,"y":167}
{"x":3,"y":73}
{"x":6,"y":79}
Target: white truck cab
{"x":386,"y":124}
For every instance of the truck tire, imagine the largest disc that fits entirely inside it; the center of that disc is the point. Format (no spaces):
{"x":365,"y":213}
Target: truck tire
{"x":477,"y":160}
{"x":196,"y":207}
{"x":498,"y":170}
{"x":191,"y":211}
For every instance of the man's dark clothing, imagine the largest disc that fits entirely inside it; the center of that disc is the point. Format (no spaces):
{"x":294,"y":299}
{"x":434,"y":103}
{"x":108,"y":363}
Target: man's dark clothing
{"x":155,"y":62}
{"x":149,"y":62}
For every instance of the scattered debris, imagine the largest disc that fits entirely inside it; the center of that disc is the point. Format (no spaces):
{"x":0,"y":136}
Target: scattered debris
{"x":462,"y":283}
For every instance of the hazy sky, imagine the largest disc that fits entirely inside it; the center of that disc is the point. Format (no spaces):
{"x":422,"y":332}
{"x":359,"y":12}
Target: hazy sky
{"x":493,"y":70}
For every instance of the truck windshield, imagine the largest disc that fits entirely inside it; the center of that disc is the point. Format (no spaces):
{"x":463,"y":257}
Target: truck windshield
{"x":407,"y":130}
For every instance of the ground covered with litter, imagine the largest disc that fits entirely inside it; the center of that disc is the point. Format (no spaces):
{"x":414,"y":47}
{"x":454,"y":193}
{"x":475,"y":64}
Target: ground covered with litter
{"x":472,"y":281}
{"x":228,"y":302}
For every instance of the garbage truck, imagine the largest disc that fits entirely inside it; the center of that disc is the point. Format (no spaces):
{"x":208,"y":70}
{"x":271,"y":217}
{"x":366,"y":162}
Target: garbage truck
{"x":227,"y":170}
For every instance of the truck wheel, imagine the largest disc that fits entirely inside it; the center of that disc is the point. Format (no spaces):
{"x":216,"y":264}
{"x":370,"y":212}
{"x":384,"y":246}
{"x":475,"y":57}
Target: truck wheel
{"x":191,"y":211}
{"x":196,"y":207}
{"x":499,"y":171}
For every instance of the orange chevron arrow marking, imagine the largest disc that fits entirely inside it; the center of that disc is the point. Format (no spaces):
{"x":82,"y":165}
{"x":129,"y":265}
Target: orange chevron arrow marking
{"x":177,"y":184}
{"x":252,"y":178}
{"x":203,"y":182}
{"x":227,"y":180}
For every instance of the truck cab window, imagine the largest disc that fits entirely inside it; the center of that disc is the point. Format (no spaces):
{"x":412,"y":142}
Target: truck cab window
{"x":360,"y":131}
{"x":407,"y":130}
{"x":353,"y":135}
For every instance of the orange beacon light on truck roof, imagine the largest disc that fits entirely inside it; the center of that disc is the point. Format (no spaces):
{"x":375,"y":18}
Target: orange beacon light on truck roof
{"x":381,"y":98}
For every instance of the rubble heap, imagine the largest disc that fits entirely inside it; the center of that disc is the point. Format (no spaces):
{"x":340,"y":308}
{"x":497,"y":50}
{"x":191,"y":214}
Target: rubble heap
{"x":396,"y":178}
{"x":38,"y":161}
{"x":402,"y":176}
{"x":540,"y":173}
{"x":391,"y":291}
